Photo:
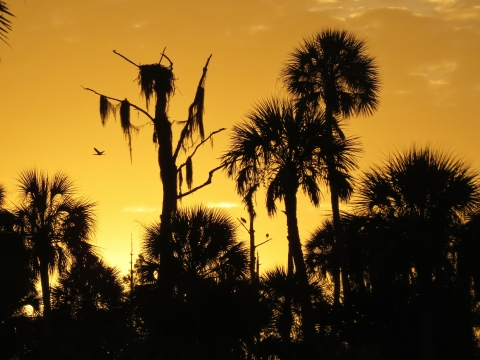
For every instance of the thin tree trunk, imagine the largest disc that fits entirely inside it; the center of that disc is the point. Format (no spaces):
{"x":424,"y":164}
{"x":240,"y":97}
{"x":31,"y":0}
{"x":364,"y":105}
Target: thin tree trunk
{"x":47,"y":309}
{"x":425,"y":314}
{"x":308,"y":324}
{"x":340,"y":249}
{"x":286,"y":318}
{"x":251,"y":232}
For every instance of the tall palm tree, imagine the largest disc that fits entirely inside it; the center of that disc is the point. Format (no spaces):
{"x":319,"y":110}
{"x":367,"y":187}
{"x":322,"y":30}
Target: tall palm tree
{"x":283,"y":149}
{"x":54,"y":224}
{"x":331,"y":70}
{"x":420,"y":200}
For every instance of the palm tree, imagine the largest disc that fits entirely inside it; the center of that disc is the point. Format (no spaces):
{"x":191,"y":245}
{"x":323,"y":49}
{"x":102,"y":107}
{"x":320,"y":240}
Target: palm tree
{"x":420,"y":200}
{"x":54,"y":224}
{"x":213,"y":314}
{"x":5,"y":23}
{"x":283,"y":149}
{"x":332,"y":70}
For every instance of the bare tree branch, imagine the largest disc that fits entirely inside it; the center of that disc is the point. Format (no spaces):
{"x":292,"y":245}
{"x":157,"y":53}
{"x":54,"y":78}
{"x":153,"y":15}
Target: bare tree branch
{"x":118,"y":100}
{"x":196,"y":148}
{"x":130,"y":61}
{"x":209,"y":181}
{"x":166,"y":57}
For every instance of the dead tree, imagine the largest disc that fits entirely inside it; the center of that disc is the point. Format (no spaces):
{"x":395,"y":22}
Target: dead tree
{"x":157,"y":82}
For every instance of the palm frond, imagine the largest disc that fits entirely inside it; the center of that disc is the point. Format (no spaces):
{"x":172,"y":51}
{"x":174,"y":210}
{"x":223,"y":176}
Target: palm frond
{"x":5,"y":23}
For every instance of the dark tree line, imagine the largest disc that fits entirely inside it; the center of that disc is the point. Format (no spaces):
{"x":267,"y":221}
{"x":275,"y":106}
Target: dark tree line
{"x":395,"y":277}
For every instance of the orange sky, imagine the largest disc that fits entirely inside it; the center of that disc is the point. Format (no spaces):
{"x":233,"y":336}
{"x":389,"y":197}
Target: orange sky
{"x":427,"y":52}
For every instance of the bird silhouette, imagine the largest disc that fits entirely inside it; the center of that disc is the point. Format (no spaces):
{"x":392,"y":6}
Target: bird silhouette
{"x":98,"y":152}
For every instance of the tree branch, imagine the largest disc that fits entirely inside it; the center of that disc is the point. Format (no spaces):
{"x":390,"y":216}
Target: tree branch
{"x":209,"y":181}
{"x":166,"y":57}
{"x":130,"y":61}
{"x":118,"y":100}
{"x":196,"y":148}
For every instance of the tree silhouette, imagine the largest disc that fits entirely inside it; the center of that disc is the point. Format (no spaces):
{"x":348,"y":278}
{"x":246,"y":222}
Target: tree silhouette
{"x":419,"y":201}
{"x":282,"y":148}
{"x":214,"y":314}
{"x":54,"y":224}
{"x":332,"y":70}
{"x":17,"y":281}
{"x":89,"y":310}
{"x":157,"y":82}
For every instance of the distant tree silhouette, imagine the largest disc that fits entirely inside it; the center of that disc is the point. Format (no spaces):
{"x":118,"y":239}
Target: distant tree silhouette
{"x":419,"y":201}
{"x":331,"y":70}
{"x":89,"y":310}
{"x":17,"y":284}
{"x":213,"y":315}
{"x":157,"y":82}
{"x":5,"y":23}
{"x":53,"y":224}
{"x":282,"y":147}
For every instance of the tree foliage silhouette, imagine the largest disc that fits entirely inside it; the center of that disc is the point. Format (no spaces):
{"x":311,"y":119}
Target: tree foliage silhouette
{"x":54,"y":224}
{"x":213,"y":314}
{"x":283,"y":148}
{"x":419,"y":201}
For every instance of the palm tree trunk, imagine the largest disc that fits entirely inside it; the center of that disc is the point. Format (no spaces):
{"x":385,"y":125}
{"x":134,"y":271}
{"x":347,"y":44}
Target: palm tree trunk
{"x":340,"y":250}
{"x":308,"y":324}
{"x":425,"y":314}
{"x":339,"y":244}
{"x":286,"y":318}
{"x":47,"y":309}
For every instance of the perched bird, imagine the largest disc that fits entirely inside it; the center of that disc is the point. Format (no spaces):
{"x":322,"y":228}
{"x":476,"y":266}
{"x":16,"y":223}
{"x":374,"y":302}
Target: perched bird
{"x":98,"y":152}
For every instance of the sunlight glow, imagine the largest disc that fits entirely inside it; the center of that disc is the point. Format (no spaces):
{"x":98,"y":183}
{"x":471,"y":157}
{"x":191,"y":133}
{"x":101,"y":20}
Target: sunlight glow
{"x":224,"y":205}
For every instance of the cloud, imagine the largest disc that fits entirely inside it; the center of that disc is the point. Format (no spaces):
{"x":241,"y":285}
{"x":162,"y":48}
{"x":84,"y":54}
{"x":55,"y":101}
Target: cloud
{"x":257,"y":28}
{"x":436,"y":74}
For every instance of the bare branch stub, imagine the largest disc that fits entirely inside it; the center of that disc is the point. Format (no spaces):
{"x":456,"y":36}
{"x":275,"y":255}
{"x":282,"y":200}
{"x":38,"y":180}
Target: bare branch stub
{"x":166,"y":57}
{"x":130,"y":61}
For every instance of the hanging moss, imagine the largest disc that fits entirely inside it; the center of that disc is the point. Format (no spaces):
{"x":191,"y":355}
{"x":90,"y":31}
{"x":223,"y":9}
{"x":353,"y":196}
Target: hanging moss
{"x":180,"y":181}
{"x":125,"y":115}
{"x":127,"y":126}
{"x":189,"y":172}
{"x":106,"y":108}
{"x":155,"y":79}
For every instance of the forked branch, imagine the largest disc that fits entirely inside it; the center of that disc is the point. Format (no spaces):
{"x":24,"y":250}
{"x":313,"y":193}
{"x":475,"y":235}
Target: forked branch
{"x":196,"y":147}
{"x":209,"y":181}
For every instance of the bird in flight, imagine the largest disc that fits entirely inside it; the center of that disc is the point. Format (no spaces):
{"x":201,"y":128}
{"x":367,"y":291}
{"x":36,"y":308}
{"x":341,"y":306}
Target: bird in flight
{"x":98,"y":152}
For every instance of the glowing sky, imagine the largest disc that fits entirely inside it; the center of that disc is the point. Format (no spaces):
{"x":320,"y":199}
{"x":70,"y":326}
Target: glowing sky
{"x":427,"y":52}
